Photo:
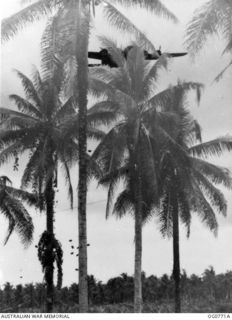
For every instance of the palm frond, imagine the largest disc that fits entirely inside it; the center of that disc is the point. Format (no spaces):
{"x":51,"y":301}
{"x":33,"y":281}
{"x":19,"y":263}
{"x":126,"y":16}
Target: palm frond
{"x":25,"y":106}
{"x":215,"y":196}
{"x":153,"y":6}
{"x":94,"y":170}
{"x":27,"y":197}
{"x":10,"y":144}
{"x":221,"y":74}
{"x":196,"y":129}
{"x":114,"y":142}
{"x":67,"y":110}
{"x":124,"y":204}
{"x":99,"y":88}
{"x":118,"y":20}
{"x":29,"y":88}
{"x":94,"y":133}
{"x":11,"y":226}
{"x":201,"y":206}
{"x":29,"y":177}
{"x":34,"y":12}
{"x":19,"y":219}
{"x":16,"y":120}
{"x":114,"y":175}
{"x":50,"y":48}
{"x":57,"y":50}
{"x":214,"y":147}
{"x":8,"y":137}
{"x":170,"y":141}
{"x":112,"y":85}
{"x":15,"y":114}
{"x":163,"y":98}
{"x":103,"y":73}
{"x":37,"y":80}
{"x":227,"y":26}
{"x":152,"y":74}
{"x":103,"y":112}
{"x":111,"y":180}
{"x":216,"y":174}
{"x":9,"y":152}
{"x":206,"y":21}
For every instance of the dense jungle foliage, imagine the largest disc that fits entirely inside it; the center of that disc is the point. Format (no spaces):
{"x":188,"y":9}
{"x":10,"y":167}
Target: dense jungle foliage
{"x":209,"y":292}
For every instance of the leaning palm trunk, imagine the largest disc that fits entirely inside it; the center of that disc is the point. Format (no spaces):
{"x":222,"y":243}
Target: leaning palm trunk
{"x":49,"y":271}
{"x":82,"y":29}
{"x":176,"y":256}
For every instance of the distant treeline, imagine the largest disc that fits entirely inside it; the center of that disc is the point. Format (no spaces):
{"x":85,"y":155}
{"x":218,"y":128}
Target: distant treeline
{"x":206,"y":289}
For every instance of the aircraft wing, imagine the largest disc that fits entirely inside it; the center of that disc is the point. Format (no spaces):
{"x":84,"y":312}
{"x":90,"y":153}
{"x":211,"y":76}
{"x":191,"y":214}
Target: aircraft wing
{"x":156,"y":56}
{"x":176,"y":55}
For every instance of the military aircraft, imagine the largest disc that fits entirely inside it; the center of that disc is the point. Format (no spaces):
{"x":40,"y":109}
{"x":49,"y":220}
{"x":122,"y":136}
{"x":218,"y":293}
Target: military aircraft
{"x":107,"y":59}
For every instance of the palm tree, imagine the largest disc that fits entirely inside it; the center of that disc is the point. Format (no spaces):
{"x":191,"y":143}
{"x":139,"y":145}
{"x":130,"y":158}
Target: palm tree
{"x":126,"y":152}
{"x":78,"y":13}
{"x":12,"y":208}
{"x":212,"y":18}
{"x":39,"y":128}
{"x":46,"y":125}
{"x":187,"y":181}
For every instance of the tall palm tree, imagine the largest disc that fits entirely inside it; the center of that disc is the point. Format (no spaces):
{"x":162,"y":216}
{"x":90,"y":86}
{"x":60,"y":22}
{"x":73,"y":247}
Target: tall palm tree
{"x":212,"y":18}
{"x":37,"y":128}
{"x":187,"y":181}
{"x":46,"y":126}
{"x":126,"y":152}
{"x":78,"y":12}
{"x":12,"y":208}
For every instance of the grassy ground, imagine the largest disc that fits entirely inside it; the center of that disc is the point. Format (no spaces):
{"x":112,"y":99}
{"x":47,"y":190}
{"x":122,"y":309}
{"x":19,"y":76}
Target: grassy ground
{"x":165,"y":307}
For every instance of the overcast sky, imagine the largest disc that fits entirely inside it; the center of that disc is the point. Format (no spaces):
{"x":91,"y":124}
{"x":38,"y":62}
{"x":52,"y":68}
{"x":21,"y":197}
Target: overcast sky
{"x":111,"y":250}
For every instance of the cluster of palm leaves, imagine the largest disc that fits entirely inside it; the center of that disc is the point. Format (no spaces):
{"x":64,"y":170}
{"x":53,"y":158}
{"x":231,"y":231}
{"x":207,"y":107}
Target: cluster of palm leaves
{"x":213,"y":18}
{"x":154,"y":145}
{"x":11,"y":207}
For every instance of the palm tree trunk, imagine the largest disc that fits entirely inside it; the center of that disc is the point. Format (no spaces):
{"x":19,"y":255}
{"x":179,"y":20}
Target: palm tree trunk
{"x":138,"y":249}
{"x":82,"y":90}
{"x":49,"y":271}
{"x":176,"y":256}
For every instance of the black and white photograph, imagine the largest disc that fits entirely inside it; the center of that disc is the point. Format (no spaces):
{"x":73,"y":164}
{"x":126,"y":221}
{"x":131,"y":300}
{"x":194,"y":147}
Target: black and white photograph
{"x":116,"y":158}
